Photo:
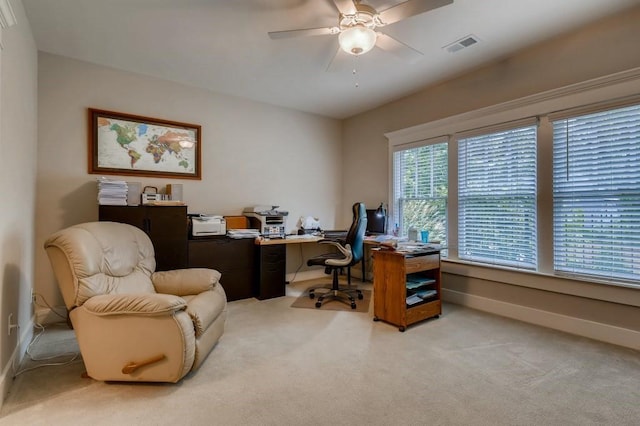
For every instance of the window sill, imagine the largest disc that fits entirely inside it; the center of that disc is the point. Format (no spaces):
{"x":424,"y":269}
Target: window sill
{"x":626,"y":294}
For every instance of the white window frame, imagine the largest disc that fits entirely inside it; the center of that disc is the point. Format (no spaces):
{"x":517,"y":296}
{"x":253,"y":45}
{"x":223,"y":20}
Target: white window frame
{"x":607,"y":243}
{"x":458,"y":138}
{"x":618,"y":86}
{"x":394,"y":207}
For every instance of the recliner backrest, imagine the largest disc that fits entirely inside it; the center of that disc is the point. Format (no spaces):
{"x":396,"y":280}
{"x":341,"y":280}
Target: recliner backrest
{"x":355,"y":236}
{"x":96,"y":258}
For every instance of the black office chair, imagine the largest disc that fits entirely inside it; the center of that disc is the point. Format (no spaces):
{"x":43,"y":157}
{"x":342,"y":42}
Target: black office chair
{"x":350,"y":252}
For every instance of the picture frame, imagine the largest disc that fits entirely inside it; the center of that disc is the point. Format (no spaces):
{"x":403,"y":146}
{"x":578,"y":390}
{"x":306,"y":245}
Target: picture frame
{"x":133,"y":145}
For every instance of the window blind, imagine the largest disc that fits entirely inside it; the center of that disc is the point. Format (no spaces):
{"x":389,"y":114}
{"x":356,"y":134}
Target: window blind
{"x":596,"y":195}
{"x":497,"y":197}
{"x":420,"y":189}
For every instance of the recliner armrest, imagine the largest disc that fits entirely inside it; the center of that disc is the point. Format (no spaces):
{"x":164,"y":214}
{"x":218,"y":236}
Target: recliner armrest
{"x":185,"y":282}
{"x":147,"y":304}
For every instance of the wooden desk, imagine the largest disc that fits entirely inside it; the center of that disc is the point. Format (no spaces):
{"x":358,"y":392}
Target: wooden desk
{"x":280,"y":241}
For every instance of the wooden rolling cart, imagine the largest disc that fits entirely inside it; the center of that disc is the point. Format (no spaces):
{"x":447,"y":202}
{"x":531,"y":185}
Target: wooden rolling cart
{"x":406,"y":286}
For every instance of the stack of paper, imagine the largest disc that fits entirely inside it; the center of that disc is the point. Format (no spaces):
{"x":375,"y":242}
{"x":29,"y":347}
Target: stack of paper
{"x":112,"y":192}
{"x":243,"y":233}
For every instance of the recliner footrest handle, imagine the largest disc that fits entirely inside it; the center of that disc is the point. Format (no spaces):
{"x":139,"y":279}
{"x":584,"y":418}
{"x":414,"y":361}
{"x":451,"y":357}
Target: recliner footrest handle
{"x":133,"y":366}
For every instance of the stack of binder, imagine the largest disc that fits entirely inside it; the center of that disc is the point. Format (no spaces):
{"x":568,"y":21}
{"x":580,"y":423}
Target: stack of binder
{"x":243,"y":233}
{"x":112,"y":192}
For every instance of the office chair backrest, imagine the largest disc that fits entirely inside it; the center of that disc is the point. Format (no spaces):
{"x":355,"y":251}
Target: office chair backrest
{"x":355,"y":236}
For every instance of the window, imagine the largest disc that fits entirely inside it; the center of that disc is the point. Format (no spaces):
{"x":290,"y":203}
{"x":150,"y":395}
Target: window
{"x":497,"y":197}
{"x":420,"y":190}
{"x":596,"y":194}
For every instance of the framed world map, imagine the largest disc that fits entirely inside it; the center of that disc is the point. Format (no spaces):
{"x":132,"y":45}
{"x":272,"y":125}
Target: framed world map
{"x":125,"y":144}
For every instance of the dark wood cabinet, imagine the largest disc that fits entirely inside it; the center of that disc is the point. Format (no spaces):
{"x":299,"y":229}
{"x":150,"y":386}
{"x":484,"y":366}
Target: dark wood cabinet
{"x":247,"y":270}
{"x":167,"y":227}
{"x":232,"y":257}
{"x":271,"y":262}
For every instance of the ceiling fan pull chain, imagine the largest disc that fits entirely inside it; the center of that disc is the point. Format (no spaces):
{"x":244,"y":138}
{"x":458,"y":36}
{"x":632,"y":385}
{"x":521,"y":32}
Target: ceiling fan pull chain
{"x":355,"y":71}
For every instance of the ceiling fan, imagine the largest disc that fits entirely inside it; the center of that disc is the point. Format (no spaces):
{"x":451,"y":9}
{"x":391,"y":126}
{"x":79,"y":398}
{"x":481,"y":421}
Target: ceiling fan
{"x":358,"y":26}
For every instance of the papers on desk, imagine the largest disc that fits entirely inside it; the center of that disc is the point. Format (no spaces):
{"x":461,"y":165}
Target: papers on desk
{"x":243,"y":233}
{"x":381,"y":238}
{"x":414,"y":247}
{"x":301,"y":237}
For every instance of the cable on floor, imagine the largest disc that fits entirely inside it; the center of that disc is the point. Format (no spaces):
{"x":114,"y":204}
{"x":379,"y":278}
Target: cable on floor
{"x":299,"y":266}
{"x":74,"y":355}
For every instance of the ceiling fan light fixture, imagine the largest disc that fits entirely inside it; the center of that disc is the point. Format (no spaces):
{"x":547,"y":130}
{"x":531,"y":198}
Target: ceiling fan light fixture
{"x":357,"y":40}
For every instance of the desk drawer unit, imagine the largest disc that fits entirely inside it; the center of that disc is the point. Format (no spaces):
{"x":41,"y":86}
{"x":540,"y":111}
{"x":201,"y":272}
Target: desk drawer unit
{"x":421,"y":263}
{"x":232,"y":258}
{"x":270,"y":280}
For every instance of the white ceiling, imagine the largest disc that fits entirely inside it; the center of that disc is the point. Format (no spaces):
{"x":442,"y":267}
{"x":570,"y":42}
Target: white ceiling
{"x":222,"y":45}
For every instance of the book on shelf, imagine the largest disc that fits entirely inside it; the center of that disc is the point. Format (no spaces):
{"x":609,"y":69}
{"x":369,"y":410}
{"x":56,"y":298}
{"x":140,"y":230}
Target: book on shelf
{"x":414,"y":281}
{"x":425,"y":294}
{"x":420,"y":296}
{"x":413,"y":299}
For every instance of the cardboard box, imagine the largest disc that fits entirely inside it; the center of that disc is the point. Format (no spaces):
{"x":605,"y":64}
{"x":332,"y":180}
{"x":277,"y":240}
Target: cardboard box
{"x":237,"y":222}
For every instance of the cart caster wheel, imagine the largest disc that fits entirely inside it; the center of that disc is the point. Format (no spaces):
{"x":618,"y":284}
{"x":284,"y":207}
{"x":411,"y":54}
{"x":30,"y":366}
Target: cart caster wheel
{"x":318,"y":304}
{"x":437,"y":316}
{"x":401,"y":329}
{"x":312,"y":295}
{"x":353,"y":305}
{"x":376,"y":319}
{"x":360,"y":296}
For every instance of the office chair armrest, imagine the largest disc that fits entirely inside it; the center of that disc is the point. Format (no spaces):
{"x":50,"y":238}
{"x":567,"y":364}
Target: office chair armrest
{"x":345,"y":250}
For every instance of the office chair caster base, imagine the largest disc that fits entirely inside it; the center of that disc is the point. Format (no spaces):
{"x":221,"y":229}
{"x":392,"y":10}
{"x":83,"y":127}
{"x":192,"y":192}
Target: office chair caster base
{"x":353,"y":305}
{"x":318,"y":304}
{"x":360,"y":296}
{"x":312,"y":295}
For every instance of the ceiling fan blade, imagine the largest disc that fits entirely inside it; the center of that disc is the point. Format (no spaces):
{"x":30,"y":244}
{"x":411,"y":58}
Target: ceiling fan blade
{"x":410,"y":8}
{"x":274,"y":35}
{"x":346,"y":7}
{"x":391,"y":45}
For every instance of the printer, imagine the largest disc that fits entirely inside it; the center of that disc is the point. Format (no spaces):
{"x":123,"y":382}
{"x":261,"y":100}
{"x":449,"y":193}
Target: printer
{"x":207,"y":224}
{"x":270,"y":221}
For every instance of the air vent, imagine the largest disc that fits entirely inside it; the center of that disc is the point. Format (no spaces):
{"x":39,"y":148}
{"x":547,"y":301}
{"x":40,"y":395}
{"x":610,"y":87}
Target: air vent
{"x":464,"y":42}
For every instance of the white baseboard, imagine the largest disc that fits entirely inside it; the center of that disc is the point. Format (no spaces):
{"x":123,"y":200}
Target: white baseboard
{"x":581,"y":327}
{"x":6,"y":379}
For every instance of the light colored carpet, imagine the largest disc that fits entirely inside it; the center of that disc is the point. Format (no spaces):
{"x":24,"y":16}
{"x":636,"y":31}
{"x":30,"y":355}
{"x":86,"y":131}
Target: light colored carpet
{"x":277,"y":365}
{"x":303,"y":301}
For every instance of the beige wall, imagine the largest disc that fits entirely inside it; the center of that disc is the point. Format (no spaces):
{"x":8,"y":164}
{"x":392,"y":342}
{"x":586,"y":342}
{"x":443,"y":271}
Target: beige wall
{"x":604,"y":48}
{"x":252,"y":153}
{"x":18,"y":139}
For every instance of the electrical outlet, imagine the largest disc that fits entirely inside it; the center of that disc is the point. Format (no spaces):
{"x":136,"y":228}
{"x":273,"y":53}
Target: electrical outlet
{"x":9,"y":325}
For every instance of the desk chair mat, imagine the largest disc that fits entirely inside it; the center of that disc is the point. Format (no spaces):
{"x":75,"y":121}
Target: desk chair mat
{"x":303,"y":301}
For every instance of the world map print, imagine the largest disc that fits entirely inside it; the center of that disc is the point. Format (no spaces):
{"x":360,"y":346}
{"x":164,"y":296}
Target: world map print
{"x":133,"y":145}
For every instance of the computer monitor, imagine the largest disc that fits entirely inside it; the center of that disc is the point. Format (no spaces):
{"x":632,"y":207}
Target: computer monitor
{"x":375,"y":224}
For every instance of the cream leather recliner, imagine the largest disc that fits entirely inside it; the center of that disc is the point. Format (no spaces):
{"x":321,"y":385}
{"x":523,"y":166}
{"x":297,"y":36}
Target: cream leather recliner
{"x":134,"y":324}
